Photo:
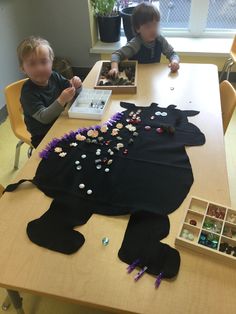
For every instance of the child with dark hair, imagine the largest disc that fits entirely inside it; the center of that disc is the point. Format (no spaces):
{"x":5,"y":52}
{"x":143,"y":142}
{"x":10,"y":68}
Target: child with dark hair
{"x":147,"y":45}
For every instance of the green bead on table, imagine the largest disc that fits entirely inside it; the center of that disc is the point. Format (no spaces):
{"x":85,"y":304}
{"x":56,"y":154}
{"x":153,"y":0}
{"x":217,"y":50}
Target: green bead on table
{"x":105,"y":241}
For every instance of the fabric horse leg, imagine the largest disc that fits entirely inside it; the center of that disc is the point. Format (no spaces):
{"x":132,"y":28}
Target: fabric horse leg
{"x":141,"y":243}
{"x":54,"y":229}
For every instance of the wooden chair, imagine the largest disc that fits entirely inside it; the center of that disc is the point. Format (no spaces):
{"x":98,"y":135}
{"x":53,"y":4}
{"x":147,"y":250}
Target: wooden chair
{"x":228,"y":102}
{"x":230,"y":61}
{"x":14,"y":108}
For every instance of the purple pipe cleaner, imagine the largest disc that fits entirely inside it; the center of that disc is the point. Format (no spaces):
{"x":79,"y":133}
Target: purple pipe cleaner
{"x":72,"y":135}
{"x":132,"y":266}
{"x":158,"y":280}
{"x":140,"y":273}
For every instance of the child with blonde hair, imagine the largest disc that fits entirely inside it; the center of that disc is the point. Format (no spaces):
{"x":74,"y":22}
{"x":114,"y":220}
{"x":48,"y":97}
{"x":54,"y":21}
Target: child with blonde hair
{"x":46,"y":93}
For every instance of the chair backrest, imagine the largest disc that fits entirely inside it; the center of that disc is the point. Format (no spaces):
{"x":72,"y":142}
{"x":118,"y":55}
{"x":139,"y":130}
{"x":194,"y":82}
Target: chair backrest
{"x":233,"y":49}
{"x":1,"y":190}
{"x":228,"y":102}
{"x":14,"y":108}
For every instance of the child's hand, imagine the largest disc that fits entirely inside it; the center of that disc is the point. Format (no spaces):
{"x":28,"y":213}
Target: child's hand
{"x":76,"y":82}
{"x":66,"y":96}
{"x":113,"y":72}
{"x":174,"y":66}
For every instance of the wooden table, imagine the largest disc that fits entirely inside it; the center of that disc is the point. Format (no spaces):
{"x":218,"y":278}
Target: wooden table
{"x":94,"y":275}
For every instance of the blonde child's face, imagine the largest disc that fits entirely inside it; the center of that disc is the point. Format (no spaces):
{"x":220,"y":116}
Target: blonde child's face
{"x":38,"y":66}
{"x":149,"y":31}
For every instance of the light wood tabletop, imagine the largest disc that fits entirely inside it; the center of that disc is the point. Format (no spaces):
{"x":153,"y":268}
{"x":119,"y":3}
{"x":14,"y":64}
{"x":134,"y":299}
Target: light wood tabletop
{"x":94,"y":275}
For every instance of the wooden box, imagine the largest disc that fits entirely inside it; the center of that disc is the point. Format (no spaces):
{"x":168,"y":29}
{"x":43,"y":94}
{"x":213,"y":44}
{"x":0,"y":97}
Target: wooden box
{"x":123,"y":84}
{"x":209,"y":228}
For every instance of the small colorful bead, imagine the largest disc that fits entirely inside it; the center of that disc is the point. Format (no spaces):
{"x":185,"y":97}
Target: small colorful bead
{"x":63,"y":154}
{"x":193,"y":222}
{"x":73,"y":144}
{"x":147,"y":128}
{"x":57,"y":149}
{"x":80,"y":137}
{"x":119,"y":125}
{"x":114,"y":132}
{"x":105,"y":241}
{"x":104,"y":129}
{"x":159,"y":130}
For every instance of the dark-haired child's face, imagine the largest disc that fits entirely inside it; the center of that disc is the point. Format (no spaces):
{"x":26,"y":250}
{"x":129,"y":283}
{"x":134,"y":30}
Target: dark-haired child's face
{"x":149,"y":31}
{"x":38,"y":66}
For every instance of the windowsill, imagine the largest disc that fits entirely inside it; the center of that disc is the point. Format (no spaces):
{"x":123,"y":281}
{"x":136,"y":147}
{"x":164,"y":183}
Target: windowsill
{"x":215,"y":47}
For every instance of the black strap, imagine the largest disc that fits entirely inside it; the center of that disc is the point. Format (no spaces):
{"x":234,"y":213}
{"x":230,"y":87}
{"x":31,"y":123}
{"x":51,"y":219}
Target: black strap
{"x":14,"y":186}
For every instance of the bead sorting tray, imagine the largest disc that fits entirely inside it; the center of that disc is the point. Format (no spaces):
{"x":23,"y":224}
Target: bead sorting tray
{"x":209,"y":228}
{"x":126,"y":83}
{"x":90,"y":104}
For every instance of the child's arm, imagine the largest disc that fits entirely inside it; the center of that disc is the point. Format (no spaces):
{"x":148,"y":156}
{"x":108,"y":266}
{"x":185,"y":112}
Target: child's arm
{"x":34,"y":106}
{"x":170,"y":54}
{"x":114,"y":71}
{"x":46,"y":115}
{"x":126,"y":52}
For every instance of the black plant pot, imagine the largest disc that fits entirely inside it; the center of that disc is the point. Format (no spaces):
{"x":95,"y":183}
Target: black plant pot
{"x":109,"y":28}
{"x":126,"y":14}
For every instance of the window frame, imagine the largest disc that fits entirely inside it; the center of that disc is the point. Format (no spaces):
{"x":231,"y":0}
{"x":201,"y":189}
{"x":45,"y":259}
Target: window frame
{"x":197,"y":24}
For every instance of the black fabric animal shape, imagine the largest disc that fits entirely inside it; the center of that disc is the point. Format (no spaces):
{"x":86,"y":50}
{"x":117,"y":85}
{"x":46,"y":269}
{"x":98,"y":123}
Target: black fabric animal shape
{"x":134,"y":164}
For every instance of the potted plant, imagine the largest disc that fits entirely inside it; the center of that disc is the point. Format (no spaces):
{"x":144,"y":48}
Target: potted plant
{"x":126,"y":14}
{"x":108,"y":18}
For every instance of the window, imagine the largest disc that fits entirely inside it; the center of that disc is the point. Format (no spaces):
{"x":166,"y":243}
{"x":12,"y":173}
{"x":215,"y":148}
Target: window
{"x":195,"y":18}
{"x":221,"y":14}
{"x":175,"y":14}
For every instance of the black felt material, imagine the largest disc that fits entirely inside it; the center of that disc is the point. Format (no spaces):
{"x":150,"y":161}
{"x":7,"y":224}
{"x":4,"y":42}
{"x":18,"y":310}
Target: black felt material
{"x":12,"y":187}
{"x":54,"y":230}
{"x":155,"y":176}
{"x":149,"y":178}
{"x":142,"y":241}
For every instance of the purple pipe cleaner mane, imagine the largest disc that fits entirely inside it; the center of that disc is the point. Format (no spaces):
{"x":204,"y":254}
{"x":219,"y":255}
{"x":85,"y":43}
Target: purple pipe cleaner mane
{"x":71,"y":136}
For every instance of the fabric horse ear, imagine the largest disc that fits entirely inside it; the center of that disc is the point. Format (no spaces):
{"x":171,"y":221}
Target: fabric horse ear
{"x":128,"y":105}
{"x":190,"y":113}
{"x":172,"y":106}
{"x":142,"y":242}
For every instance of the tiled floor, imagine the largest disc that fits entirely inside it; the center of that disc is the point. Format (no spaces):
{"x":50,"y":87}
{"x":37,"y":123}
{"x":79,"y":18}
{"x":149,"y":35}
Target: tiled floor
{"x":46,"y":305}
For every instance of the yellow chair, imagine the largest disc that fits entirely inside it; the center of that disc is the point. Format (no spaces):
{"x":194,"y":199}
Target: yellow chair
{"x":228,"y":102}
{"x":1,"y":190}
{"x":14,"y":108}
{"x":230,"y":61}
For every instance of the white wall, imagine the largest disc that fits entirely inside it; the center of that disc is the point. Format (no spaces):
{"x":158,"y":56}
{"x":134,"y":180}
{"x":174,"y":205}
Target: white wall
{"x":65,"y":23}
{"x":14,"y":25}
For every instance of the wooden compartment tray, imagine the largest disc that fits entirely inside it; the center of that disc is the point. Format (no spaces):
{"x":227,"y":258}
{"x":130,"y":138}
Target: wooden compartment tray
{"x":126,"y":83}
{"x":209,"y":228}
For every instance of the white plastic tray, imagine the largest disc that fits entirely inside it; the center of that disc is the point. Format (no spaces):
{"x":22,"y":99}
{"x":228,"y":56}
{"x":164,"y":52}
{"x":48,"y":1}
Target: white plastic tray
{"x":90,"y":104}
